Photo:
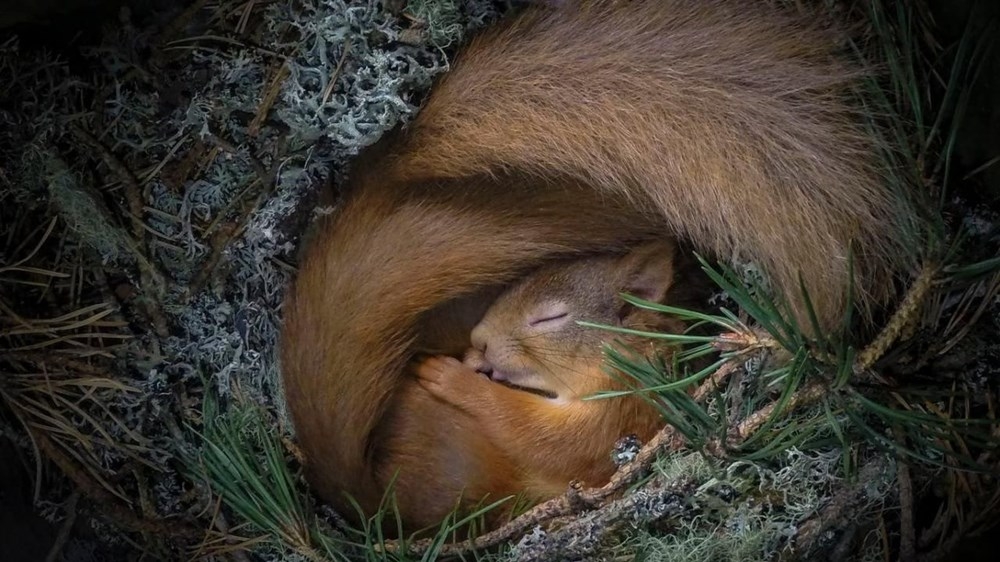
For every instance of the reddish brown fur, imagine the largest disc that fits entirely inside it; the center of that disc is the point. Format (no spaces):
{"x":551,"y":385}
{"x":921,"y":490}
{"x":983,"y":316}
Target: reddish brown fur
{"x":723,"y":120}
{"x":353,"y":317}
{"x":551,"y":435}
{"x":727,"y":117}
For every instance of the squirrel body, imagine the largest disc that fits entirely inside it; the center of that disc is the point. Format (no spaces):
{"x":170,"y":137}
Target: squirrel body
{"x":402,"y":271}
{"x":525,"y":430}
{"x":562,"y":131}
{"x":541,"y":365}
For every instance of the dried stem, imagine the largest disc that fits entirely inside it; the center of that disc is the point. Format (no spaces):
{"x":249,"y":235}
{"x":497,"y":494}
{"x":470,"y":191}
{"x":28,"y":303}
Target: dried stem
{"x":907,"y":313}
{"x":153,"y":283}
{"x":270,"y":96}
{"x":110,"y":506}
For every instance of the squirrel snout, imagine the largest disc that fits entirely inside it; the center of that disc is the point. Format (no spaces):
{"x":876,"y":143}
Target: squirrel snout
{"x":479,"y":336}
{"x":476,"y":360}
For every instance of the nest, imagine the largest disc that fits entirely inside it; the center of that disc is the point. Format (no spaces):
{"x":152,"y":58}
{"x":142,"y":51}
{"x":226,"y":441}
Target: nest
{"x":154,"y":187}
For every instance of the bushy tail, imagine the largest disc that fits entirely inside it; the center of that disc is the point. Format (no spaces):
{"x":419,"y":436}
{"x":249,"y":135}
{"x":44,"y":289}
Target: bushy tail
{"x":380,"y":263}
{"x":733,"y":120}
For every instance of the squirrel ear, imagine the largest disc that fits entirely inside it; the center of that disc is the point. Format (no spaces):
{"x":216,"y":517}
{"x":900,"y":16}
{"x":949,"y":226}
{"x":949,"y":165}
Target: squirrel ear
{"x":649,"y":270}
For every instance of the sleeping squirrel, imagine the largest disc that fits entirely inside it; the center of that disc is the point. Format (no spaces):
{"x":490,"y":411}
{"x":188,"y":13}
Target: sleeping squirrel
{"x":514,"y":421}
{"x":541,"y":365}
{"x":566,"y":130}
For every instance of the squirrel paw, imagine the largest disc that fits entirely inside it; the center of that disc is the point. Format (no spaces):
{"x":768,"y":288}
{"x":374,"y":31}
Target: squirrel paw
{"x":448,"y":379}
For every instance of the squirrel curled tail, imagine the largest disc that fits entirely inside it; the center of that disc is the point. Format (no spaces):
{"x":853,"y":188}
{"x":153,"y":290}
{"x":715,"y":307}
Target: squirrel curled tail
{"x":579,"y":128}
{"x":369,"y":277}
{"x":730,"y":118}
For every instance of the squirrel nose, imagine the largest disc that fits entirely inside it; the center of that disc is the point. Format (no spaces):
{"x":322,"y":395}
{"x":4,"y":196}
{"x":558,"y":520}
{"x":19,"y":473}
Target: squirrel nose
{"x":477,"y":360}
{"x":478,"y":337}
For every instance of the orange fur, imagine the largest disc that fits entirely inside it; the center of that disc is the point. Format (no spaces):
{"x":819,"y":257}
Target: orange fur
{"x":352,"y":320}
{"x":569,"y":130}
{"x":728,"y":117}
{"x":543,"y":365}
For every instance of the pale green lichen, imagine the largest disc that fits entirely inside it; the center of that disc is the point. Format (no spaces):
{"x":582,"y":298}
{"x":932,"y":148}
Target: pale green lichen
{"x":758,"y":509}
{"x":82,"y":208}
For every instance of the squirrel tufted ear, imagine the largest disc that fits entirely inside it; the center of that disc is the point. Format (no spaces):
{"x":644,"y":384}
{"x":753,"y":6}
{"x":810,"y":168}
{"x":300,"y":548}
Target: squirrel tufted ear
{"x":649,"y":270}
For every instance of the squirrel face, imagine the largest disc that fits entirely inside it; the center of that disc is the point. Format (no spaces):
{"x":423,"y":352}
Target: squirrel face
{"x":530,"y":337}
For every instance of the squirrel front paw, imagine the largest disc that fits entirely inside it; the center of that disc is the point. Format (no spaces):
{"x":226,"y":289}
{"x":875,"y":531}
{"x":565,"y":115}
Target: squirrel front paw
{"x":476,"y":360}
{"x":448,"y":379}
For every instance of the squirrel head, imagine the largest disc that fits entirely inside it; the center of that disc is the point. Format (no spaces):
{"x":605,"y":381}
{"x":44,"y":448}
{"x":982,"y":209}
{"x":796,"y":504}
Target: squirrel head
{"x":530,"y":337}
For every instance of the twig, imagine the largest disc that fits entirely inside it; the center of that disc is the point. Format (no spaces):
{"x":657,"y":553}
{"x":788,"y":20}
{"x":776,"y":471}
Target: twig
{"x":807,"y":395}
{"x":270,"y":95}
{"x":746,"y":339}
{"x":65,"y":528}
{"x":907,"y":531}
{"x":194,"y":43}
{"x":577,"y":539}
{"x":714,"y":382}
{"x":328,"y":91}
{"x":222,"y":527}
{"x":241,"y":26}
{"x":905,"y":314}
{"x":153,"y":282}
{"x":110,"y":507}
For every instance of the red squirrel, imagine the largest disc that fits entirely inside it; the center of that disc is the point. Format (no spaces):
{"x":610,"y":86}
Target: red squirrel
{"x":565,"y":130}
{"x":541,"y":365}
{"x":513,"y":419}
